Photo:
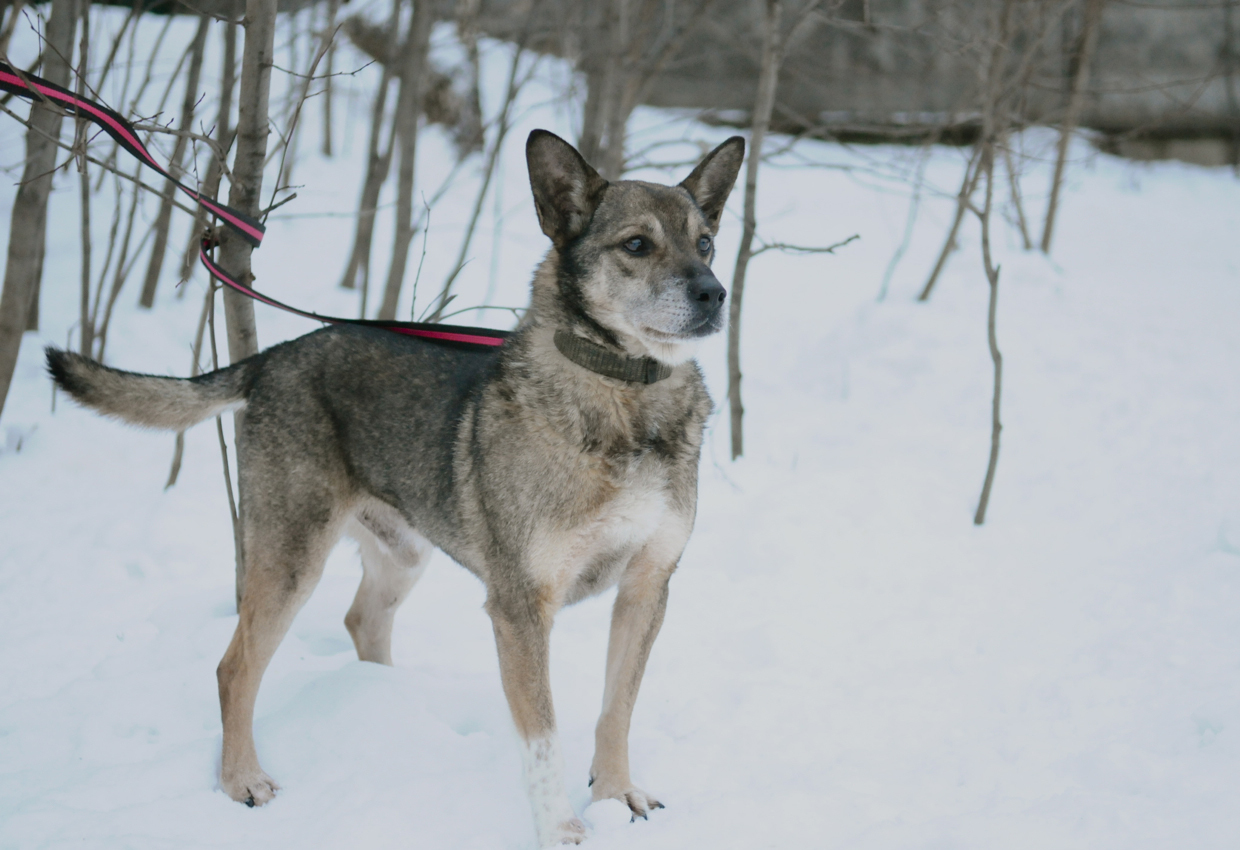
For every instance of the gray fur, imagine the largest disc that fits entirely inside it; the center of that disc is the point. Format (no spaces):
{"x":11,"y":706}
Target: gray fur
{"x":549,"y":482}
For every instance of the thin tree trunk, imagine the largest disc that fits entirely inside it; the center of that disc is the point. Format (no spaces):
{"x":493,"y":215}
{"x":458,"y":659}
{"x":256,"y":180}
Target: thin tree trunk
{"x":768,"y":78}
{"x":378,"y":164}
{"x":994,"y":127}
{"x":164,"y":220}
{"x":27,"y":226}
{"x":407,"y":112}
{"x":1080,"y":78}
{"x":333,"y":10}
{"x":992,"y":277}
{"x":244,"y":194}
{"x":967,"y":187}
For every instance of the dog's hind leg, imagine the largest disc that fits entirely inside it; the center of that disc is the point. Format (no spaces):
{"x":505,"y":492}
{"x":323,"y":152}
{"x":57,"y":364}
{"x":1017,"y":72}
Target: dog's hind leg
{"x":393,"y":559}
{"x":522,"y":622}
{"x":285,"y":550}
{"x":635,"y":622}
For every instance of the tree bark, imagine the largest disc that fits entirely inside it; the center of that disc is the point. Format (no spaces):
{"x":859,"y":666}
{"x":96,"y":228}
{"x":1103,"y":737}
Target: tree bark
{"x":764,"y":105}
{"x":408,"y":107}
{"x":247,"y":170}
{"x":164,"y":220}
{"x":27,"y":228}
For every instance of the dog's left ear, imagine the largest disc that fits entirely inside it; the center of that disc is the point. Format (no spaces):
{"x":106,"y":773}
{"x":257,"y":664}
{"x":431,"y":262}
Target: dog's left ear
{"x":566,"y":189}
{"x":711,"y":182}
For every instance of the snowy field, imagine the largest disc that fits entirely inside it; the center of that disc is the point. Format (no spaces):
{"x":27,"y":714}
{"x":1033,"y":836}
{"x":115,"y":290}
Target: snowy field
{"x":847,"y":661}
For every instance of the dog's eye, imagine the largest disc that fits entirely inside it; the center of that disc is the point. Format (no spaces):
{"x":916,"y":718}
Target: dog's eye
{"x":637,"y":246}
{"x":704,"y":245}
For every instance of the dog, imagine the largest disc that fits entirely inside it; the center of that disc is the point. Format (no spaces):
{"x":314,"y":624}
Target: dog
{"x":554,"y":467}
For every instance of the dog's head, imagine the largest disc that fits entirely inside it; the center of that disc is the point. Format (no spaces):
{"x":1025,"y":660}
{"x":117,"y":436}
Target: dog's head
{"x":634,"y":258}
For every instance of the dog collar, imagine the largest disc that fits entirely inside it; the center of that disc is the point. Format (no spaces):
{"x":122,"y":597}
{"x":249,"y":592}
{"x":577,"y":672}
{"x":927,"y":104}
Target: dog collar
{"x":589,"y":355}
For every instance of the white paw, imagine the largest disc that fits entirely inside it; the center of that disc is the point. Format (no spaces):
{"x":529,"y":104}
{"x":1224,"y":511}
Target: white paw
{"x":639,"y":802}
{"x":253,"y":787}
{"x":571,"y":831}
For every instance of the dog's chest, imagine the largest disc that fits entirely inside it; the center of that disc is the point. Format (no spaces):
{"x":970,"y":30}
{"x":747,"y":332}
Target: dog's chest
{"x":588,"y":556}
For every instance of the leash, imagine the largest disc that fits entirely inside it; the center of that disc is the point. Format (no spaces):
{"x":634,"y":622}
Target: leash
{"x":37,"y":89}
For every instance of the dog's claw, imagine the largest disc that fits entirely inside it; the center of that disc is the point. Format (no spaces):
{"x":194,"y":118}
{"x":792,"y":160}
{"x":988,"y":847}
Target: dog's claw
{"x":249,"y":801}
{"x":590,"y":783}
{"x":655,"y":804}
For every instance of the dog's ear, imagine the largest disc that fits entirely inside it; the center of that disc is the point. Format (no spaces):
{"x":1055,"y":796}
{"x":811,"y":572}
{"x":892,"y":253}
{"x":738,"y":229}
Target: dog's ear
{"x":711,"y":182}
{"x":566,"y":189}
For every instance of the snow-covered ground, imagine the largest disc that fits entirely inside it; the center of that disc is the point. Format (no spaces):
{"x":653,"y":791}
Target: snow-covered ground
{"x":847,"y":661}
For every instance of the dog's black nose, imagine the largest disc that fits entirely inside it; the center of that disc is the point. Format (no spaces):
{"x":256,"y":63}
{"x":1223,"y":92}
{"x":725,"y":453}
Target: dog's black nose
{"x":707,"y":291}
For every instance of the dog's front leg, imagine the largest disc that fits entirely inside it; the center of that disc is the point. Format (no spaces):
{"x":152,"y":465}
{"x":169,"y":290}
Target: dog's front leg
{"x":635,"y":621}
{"x":522,"y":635}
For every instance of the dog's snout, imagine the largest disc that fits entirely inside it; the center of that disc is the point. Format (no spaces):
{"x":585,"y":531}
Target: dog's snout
{"x":707,"y":291}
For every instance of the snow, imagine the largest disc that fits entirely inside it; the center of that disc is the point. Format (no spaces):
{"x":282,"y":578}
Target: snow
{"x":847,"y":660}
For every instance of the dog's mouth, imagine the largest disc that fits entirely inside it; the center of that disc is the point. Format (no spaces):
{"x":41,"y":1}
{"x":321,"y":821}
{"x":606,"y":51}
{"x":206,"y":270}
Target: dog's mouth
{"x":709,"y":325}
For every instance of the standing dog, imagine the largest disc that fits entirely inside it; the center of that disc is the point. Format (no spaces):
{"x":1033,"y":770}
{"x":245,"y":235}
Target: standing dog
{"x":553,"y":468}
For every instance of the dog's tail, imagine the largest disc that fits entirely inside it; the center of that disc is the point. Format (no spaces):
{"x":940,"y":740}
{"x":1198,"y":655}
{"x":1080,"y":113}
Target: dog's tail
{"x":151,"y":401}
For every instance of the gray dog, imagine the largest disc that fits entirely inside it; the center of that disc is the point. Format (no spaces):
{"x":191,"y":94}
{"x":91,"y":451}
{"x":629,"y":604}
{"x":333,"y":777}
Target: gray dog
{"x":559,"y":465}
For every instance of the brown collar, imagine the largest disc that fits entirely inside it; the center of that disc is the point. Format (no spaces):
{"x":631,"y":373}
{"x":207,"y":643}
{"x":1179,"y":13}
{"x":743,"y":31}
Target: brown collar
{"x":596,"y":358}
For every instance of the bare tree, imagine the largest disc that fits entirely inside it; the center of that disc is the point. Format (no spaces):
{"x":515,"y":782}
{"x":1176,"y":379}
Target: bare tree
{"x":1080,"y":77}
{"x":378,"y":161}
{"x":972,"y":173}
{"x":86,"y":331}
{"x":632,"y":43}
{"x":245,"y":189}
{"x":224,"y":137}
{"x":768,"y":78}
{"x":164,"y":220}
{"x":408,"y":108}
{"x":511,"y":89}
{"x":28,"y":225}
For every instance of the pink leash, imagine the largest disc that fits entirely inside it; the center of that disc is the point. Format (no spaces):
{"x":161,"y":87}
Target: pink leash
{"x":38,"y":89}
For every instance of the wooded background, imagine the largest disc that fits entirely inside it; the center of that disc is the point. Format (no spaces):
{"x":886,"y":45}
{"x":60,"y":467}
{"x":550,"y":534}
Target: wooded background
{"x":1144,"y":79}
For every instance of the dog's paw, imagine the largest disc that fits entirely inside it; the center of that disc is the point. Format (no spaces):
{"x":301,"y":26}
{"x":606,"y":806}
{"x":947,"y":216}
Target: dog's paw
{"x":639,"y":802}
{"x":571,"y":831}
{"x":253,"y":788}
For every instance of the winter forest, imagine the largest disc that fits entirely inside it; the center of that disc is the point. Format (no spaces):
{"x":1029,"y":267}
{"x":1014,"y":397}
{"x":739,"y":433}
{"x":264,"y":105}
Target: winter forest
{"x":965,"y":570}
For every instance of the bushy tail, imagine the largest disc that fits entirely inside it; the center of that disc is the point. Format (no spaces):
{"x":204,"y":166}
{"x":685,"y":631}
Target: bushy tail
{"x":150,"y":400}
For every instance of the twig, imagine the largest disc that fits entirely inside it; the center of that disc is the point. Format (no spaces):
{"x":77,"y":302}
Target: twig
{"x":238,"y":546}
{"x":971,"y":175}
{"x":802,"y":249}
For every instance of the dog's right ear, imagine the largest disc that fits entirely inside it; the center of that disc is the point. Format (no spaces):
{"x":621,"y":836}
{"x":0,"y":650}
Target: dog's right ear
{"x":566,"y":189}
